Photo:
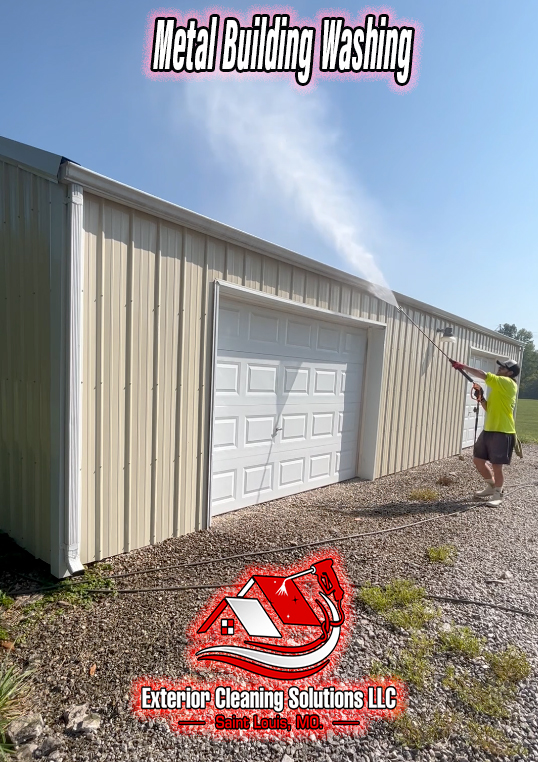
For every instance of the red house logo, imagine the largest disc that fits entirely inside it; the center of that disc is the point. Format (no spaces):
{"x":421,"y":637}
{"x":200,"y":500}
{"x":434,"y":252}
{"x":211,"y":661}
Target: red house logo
{"x":288,"y":625}
{"x":269,"y":642}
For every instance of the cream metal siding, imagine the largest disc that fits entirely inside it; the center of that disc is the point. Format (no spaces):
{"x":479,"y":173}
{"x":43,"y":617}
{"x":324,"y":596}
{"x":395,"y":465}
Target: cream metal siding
{"x":148,"y":303}
{"x":26,"y":201}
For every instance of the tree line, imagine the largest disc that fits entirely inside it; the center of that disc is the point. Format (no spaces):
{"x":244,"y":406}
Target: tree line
{"x":528,"y":387}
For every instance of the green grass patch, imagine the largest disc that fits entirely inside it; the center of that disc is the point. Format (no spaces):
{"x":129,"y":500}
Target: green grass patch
{"x":527,"y":420}
{"x":5,"y":600}
{"x":510,"y":665}
{"x":378,"y":671}
{"x":401,"y":603}
{"x":417,"y":731}
{"x":443,"y":554}
{"x":425,"y":661}
{"x":492,"y":741}
{"x":13,"y":690}
{"x":399,"y":593}
{"x":424,"y":495}
{"x":75,"y":590}
{"x":463,"y":641}
{"x":484,"y":697}
{"x":414,"y":663}
{"x":412,"y":617}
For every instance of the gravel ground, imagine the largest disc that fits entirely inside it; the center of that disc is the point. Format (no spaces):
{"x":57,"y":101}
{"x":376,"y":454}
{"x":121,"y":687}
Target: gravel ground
{"x":138,"y":634}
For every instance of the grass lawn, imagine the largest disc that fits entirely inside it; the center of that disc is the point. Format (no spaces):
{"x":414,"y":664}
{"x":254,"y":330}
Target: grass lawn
{"x":527,"y":420}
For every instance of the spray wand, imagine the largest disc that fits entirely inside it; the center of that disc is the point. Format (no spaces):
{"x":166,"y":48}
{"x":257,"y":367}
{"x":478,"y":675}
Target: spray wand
{"x":451,"y":361}
{"x":477,"y":393}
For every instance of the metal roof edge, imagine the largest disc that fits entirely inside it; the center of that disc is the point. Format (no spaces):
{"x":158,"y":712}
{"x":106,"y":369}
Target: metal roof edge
{"x":36,"y":160}
{"x":146,"y":202}
{"x":402,"y":299}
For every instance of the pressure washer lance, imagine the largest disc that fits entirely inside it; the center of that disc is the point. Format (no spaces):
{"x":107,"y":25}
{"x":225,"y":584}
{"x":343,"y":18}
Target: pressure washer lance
{"x":477,"y":393}
{"x":328,"y":582}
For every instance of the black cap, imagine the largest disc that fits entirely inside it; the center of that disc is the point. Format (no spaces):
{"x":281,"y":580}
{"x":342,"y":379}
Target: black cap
{"x":510,"y":365}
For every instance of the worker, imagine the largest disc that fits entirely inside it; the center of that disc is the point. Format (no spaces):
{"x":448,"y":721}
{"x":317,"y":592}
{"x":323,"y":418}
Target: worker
{"x":496,"y":442}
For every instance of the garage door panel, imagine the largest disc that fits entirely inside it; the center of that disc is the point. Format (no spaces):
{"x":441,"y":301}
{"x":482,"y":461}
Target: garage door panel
{"x":223,"y":487}
{"x":229,"y":320}
{"x":247,"y":481}
{"x":294,"y":427}
{"x":279,"y":429}
{"x":257,"y":479}
{"x":225,"y":433}
{"x":322,"y":425}
{"x":292,"y":472}
{"x":345,"y":463}
{"x":355,"y":347}
{"x":262,"y":331}
{"x":329,"y":340}
{"x":264,"y":328}
{"x":299,"y":334}
{"x":287,"y":405}
{"x":259,"y":429}
{"x":296,"y":380}
{"x":320,"y":466}
{"x":261,"y":379}
{"x":270,"y":378}
{"x":227,"y":378}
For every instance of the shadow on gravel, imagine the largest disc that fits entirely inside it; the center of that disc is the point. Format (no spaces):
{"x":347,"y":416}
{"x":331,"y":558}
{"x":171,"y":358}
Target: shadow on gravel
{"x":392,"y":510}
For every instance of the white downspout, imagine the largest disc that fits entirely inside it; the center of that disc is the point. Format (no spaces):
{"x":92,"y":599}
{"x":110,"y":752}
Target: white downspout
{"x":73,"y":434}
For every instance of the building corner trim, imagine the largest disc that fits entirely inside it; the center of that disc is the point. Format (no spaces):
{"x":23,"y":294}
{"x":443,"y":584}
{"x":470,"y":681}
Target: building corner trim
{"x":73,"y":433}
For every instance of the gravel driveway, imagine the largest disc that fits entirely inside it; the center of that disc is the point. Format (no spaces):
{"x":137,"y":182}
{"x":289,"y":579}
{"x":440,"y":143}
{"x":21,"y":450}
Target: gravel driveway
{"x":131,"y":635}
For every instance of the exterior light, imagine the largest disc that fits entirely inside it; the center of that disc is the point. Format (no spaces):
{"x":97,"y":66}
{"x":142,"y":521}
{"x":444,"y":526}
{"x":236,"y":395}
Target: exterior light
{"x":447,"y":336}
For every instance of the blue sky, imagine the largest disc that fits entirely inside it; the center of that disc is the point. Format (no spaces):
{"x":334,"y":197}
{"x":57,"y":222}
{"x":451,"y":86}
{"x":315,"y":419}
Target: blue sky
{"x":443,"y":180}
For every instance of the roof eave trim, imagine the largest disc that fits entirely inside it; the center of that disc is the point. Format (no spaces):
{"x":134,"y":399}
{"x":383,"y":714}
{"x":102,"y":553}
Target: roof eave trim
{"x":113,"y":190}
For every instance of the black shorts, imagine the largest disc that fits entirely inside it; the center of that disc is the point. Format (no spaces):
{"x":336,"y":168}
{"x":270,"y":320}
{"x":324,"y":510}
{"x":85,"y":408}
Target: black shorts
{"x":495,"y":446}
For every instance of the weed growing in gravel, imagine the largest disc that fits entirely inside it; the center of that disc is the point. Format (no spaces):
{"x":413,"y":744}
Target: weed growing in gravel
{"x":399,"y":593}
{"x":413,"y":664}
{"x":378,"y":671}
{"x":510,"y":665}
{"x":462,"y":640}
{"x":74,"y":591}
{"x":5,"y":600}
{"x":417,"y":731}
{"x":484,"y":697}
{"x":401,"y":603}
{"x":444,"y":554}
{"x":424,"y":495}
{"x":412,"y":617}
{"x":492,"y":740}
{"x":13,"y":691}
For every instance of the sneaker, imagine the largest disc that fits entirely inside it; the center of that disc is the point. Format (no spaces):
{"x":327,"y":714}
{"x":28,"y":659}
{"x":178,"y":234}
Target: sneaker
{"x":487,"y":491}
{"x":496,"y":499}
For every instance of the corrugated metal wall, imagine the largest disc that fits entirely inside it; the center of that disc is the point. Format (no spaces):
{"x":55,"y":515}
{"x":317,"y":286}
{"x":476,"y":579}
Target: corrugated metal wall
{"x":25,"y":370}
{"x":147,"y":338}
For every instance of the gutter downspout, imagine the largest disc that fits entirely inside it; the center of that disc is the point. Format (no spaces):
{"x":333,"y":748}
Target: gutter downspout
{"x":73,"y":433}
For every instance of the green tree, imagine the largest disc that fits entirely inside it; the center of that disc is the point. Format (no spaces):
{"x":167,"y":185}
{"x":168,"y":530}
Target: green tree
{"x":528,"y":388}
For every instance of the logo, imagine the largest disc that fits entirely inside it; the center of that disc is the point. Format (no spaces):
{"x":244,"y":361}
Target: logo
{"x":267,"y":647}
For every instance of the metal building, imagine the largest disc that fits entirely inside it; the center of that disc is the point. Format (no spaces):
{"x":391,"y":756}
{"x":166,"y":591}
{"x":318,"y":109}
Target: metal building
{"x":158,"y":368}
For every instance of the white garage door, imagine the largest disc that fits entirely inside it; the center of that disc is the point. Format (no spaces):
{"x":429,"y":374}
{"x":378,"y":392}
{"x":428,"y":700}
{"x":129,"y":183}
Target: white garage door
{"x":488,"y":366}
{"x":287,"y":404}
